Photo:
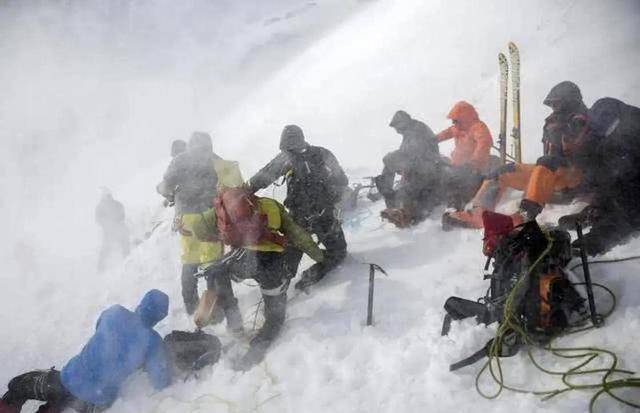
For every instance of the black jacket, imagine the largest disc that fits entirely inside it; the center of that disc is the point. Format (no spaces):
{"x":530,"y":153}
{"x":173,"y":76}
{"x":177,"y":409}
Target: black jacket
{"x":315,"y":179}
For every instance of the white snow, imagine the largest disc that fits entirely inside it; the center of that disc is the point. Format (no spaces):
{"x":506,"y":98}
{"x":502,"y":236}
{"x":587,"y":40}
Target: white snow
{"x":92,"y":94}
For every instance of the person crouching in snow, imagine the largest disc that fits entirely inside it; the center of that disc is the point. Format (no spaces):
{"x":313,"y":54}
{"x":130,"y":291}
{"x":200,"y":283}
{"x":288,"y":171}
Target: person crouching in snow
{"x":564,"y":135}
{"x":418,"y":162}
{"x":470,"y":156}
{"x":614,"y":211}
{"x":261,"y":234}
{"x":123,"y":342}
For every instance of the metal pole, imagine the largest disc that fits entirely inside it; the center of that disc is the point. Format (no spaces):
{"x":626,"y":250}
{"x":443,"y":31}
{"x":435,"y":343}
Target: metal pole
{"x":587,"y":278}
{"x":370,"y":304}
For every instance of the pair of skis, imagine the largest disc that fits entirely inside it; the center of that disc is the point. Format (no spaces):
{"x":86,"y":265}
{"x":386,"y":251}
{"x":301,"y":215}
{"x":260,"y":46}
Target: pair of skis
{"x":510,"y":68}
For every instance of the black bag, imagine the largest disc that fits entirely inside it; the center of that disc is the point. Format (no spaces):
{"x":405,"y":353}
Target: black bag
{"x":192,"y":350}
{"x":544,"y":302}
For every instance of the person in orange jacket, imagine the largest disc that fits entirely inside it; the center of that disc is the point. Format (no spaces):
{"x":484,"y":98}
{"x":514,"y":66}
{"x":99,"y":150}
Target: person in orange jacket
{"x":470,"y":157}
{"x":558,"y":169}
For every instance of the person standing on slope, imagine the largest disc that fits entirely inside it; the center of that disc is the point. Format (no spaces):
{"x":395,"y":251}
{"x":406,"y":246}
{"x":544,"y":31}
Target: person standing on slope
{"x":115,"y":235}
{"x":418,"y":162}
{"x":470,"y":157}
{"x":563,"y":134}
{"x":192,"y":179}
{"x":315,"y":184}
{"x":123,"y":342}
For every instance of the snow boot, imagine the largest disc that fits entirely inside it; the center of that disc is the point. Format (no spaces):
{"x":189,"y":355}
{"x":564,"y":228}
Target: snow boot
{"x":463,"y":219}
{"x":50,"y":408}
{"x":527,"y":212}
{"x":400,"y":217}
{"x":586,"y":218}
{"x":8,"y":408}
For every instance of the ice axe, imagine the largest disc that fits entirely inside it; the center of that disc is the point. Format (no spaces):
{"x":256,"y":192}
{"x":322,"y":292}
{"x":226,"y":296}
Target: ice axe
{"x":372,"y":272}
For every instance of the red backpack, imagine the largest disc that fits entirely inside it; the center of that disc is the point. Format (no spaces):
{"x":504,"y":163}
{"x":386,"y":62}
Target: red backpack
{"x":239,"y":222}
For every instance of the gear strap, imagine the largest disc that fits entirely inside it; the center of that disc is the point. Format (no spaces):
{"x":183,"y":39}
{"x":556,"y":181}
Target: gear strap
{"x":478,"y":355}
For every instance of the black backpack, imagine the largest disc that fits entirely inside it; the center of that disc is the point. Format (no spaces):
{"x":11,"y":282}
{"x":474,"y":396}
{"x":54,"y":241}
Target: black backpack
{"x":190,"y":351}
{"x":310,"y":181}
{"x":544,"y":302}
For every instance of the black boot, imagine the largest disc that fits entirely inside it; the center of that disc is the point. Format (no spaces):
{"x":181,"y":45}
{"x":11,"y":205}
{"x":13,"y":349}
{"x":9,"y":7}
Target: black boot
{"x":529,"y":210}
{"x":274,"y":314}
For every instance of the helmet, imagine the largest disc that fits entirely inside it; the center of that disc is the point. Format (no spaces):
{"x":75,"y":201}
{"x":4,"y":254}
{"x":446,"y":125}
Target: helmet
{"x":200,"y":141}
{"x":292,"y":138}
{"x":177,"y":147}
{"x":400,"y":120}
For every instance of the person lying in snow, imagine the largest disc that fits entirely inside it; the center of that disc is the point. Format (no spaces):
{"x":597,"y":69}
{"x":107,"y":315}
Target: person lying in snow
{"x":418,"y":162}
{"x":123,"y":342}
{"x":564,"y":142}
{"x":262,"y":234}
{"x":614,"y":211}
{"x":470,"y":158}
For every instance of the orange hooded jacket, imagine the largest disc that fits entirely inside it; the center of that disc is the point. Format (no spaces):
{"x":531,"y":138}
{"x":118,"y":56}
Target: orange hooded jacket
{"x":472,"y":137}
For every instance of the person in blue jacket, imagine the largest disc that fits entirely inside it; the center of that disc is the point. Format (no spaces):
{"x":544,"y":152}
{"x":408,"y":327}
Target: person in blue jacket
{"x":123,"y":342}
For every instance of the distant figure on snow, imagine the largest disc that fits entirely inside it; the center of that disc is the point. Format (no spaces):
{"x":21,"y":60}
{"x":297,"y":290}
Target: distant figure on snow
{"x":115,"y":236}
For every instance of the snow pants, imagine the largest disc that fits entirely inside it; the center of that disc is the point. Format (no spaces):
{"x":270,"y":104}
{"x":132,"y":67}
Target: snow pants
{"x":538,"y":183}
{"x":115,"y":239}
{"x":328,"y":229}
{"x":272,"y":271}
{"x":193,"y":252}
{"x":44,"y":385}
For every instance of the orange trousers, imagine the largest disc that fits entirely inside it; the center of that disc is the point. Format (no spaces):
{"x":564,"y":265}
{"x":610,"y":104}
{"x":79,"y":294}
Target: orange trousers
{"x":538,"y":183}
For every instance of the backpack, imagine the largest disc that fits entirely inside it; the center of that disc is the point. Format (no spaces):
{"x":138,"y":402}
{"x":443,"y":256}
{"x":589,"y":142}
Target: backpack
{"x":192,"y":350}
{"x":544,"y":303}
{"x":239,"y":222}
{"x":309,"y":184}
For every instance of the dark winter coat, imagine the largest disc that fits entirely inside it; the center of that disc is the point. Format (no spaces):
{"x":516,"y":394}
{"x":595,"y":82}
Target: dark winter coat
{"x":109,"y":212}
{"x":192,"y":180}
{"x":315,"y":179}
{"x":419,"y":143}
{"x":565,"y":121}
{"x":123,"y":342}
{"x":616,"y":175}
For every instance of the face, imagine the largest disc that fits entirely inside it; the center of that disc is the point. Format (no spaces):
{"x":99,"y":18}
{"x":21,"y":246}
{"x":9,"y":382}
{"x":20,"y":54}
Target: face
{"x":556,"y":105}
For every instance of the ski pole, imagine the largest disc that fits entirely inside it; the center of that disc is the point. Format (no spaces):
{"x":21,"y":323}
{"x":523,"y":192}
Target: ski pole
{"x":372,"y":273}
{"x":595,"y":319}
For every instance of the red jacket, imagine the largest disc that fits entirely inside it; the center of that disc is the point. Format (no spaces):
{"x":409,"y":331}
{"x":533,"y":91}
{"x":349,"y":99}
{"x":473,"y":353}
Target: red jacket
{"x":472,"y":137}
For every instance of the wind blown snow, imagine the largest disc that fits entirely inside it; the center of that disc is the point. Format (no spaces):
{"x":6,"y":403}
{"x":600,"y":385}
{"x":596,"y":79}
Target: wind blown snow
{"x":92,"y":94}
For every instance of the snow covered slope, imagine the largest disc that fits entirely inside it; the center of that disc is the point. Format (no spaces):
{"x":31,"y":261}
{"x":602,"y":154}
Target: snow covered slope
{"x":93,"y":94}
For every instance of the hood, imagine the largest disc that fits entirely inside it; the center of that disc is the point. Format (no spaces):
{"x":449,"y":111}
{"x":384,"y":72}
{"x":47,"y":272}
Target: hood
{"x":565,"y":92}
{"x":200,"y":142}
{"x":292,"y":139}
{"x":604,"y":116}
{"x":464,"y":114}
{"x":401,"y":120}
{"x":153,"y":307}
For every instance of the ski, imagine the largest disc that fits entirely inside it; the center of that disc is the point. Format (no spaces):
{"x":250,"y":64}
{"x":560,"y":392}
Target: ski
{"x":514,"y":62}
{"x":504,"y":80}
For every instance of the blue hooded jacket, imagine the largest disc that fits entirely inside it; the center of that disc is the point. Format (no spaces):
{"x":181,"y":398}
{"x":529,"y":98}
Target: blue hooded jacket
{"x":124,"y":341}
